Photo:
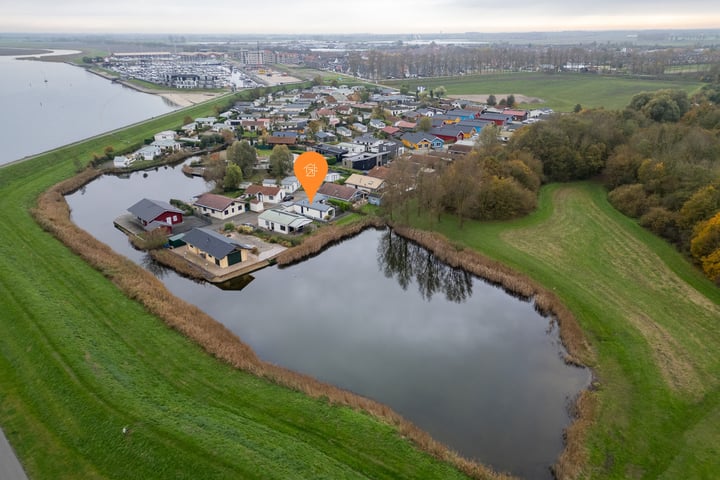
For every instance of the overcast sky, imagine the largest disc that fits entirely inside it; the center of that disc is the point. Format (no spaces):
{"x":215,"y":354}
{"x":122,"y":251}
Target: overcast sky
{"x":364,"y":16}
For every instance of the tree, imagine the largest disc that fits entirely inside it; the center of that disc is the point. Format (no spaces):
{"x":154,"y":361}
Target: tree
{"x":242,"y":154}
{"x":187,"y":120}
{"x":425,"y":124}
{"x":577,"y":108}
{"x":214,"y":169}
{"x":510,"y":101}
{"x":491,"y":100}
{"x":281,"y":161}
{"x":317,"y":80}
{"x":233,"y":177}
{"x":440,"y":91}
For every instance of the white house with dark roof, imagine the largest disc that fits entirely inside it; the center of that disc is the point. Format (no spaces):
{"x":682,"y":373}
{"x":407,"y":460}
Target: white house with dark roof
{"x":315,"y":210}
{"x":218,"y":206}
{"x":282,"y":221}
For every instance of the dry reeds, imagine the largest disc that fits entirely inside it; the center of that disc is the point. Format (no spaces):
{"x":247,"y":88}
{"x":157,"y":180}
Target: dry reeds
{"x":53,"y":214}
{"x":328,"y":235}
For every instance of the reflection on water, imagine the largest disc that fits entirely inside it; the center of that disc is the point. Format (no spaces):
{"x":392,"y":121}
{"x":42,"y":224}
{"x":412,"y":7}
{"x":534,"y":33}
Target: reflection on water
{"x":237,"y":283}
{"x":400,"y":258}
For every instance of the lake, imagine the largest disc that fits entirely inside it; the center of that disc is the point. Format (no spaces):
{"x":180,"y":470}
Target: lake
{"x":474,"y":366}
{"x":47,"y":105}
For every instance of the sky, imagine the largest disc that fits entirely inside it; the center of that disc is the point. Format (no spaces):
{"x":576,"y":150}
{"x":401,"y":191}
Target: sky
{"x":364,"y":16}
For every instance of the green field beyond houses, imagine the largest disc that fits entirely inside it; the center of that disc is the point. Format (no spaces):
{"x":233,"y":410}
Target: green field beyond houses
{"x":560,"y":92}
{"x":651,"y":318}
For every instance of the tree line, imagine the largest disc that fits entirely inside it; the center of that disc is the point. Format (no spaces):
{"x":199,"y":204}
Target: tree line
{"x":437,"y":60}
{"x":659,"y":159}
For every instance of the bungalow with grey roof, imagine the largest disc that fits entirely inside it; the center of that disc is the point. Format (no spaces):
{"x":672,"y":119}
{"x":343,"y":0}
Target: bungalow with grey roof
{"x":281,"y":221}
{"x":215,"y":248}
{"x":315,"y":210}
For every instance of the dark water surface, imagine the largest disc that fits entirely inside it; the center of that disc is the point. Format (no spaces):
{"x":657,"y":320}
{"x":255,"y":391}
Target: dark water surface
{"x":47,"y":105}
{"x":477,"y":368}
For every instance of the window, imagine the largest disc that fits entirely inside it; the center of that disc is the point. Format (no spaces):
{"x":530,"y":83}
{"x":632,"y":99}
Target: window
{"x":282,"y":227}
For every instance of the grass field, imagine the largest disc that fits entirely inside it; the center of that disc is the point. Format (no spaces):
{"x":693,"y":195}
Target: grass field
{"x":560,"y":92}
{"x":79,"y":361}
{"x":651,"y":317}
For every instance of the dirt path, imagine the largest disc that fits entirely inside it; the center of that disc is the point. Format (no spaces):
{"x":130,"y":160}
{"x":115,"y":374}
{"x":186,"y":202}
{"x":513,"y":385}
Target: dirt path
{"x":482,"y":98}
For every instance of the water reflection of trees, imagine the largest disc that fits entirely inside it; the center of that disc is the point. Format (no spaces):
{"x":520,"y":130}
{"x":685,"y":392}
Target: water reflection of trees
{"x":405,"y":261}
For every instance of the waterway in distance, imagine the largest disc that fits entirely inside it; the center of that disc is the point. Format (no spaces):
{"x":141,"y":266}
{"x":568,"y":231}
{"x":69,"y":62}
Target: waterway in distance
{"x":46,"y":105}
{"x":477,"y":368}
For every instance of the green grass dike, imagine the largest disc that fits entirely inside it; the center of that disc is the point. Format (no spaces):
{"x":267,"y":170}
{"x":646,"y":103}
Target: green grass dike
{"x":93,"y":386}
{"x":652,"y":320}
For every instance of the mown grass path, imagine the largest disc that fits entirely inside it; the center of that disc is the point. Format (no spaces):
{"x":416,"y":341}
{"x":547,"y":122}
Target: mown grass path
{"x":79,"y":361}
{"x":653,"y":320}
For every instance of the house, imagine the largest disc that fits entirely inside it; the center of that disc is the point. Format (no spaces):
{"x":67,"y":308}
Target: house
{"x":332,"y":177}
{"x":368,"y":141}
{"x":167,"y":145}
{"x":155,"y":213}
{"x":165,"y":135}
{"x":282,"y":221}
{"x":121,"y":161}
{"x":344,"y":132}
{"x":376,"y":124}
{"x":205,"y":121}
{"x":421,"y":140}
{"x":351,"y":148}
{"x":458,"y":115}
{"x":330,"y":151}
{"x":148,"y":152}
{"x":325,"y":137}
{"x":390,"y":130}
{"x":339,"y":192}
{"x":475,"y":125}
{"x":363,"y":161}
{"x":364,"y":183}
{"x":281,"y":140}
{"x":499,"y":119}
{"x":452,"y":133}
{"x":459,"y":149}
{"x":218,"y":206}
{"x":290,"y":184}
{"x":517,"y":115}
{"x":215,"y":248}
{"x":265,"y":194}
{"x":315,"y":210}
{"x":359,"y":127}
{"x":403,"y":125}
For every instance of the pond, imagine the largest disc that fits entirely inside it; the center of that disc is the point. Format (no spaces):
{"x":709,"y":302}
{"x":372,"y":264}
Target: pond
{"x":477,"y":368}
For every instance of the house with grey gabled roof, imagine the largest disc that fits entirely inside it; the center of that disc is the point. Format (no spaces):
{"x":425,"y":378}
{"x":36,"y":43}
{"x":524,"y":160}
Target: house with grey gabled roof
{"x":156,"y":213}
{"x":215,"y":248}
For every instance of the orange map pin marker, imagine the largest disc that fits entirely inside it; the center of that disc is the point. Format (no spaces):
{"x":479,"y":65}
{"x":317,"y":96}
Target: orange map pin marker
{"x":311,"y":168}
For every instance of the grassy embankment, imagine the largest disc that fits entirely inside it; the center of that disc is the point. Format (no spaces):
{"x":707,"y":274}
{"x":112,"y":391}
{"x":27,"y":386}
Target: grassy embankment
{"x":651,"y":318}
{"x":560,"y":92}
{"x":79,"y":361}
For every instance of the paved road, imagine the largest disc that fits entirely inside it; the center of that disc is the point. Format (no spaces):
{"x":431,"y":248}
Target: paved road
{"x":10,"y":468}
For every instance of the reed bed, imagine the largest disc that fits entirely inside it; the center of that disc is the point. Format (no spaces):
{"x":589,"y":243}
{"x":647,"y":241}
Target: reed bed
{"x":53,"y":214}
{"x":325,"y":237}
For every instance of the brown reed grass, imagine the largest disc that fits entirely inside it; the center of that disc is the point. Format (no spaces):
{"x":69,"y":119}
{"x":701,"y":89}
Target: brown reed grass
{"x":53,"y":214}
{"x":326,"y":236}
